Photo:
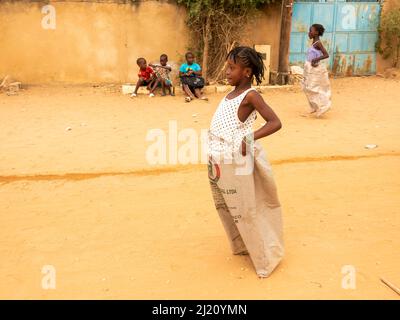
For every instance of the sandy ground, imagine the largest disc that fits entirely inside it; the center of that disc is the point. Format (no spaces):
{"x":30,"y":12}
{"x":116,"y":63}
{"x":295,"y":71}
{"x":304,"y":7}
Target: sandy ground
{"x":87,"y":202}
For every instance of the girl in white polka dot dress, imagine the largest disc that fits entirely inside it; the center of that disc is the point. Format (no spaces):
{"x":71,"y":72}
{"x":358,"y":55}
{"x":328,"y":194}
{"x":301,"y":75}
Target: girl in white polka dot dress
{"x":240,"y":176}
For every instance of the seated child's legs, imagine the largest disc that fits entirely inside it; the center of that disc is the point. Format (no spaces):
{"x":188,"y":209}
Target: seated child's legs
{"x":199,"y":94}
{"x":155,"y":83}
{"x":187,"y":90}
{"x":168,"y":84}
{"x":149,"y":84}
{"x":140,"y":82}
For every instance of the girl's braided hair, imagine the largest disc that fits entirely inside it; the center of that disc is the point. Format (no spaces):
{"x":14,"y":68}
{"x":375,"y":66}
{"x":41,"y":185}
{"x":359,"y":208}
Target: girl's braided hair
{"x":320,"y":28}
{"x":250,"y":58}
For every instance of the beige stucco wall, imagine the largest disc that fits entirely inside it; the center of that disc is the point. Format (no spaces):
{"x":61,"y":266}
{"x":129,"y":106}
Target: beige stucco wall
{"x":265,"y":29}
{"x":100,"y":41}
{"x":92,"y":42}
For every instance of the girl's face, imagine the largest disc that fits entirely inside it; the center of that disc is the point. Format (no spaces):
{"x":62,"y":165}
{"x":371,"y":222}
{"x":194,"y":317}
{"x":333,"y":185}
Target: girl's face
{"x":312,"y":33}
{"x":142,"y":64}
{"x":190,"y":59}
{"x":163,"y":61}
{"x":236,"y":72}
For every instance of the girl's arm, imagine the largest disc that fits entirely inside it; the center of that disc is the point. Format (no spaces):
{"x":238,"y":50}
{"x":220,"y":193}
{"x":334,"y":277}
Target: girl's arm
{"x":199,"y":72}
{"x":325,"y":54}
{"x":165,"y":67}
{"x":273,"y":123}
{"x":182,"y":71}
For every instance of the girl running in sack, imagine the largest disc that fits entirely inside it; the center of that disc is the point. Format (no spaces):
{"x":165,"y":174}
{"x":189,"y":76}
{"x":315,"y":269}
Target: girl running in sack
{"x":315,"y":83}
{"x":240,"y":176}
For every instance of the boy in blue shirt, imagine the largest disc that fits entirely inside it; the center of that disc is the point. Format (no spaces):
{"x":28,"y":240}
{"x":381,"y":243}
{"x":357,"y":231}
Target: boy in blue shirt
{"x":192,"y":82}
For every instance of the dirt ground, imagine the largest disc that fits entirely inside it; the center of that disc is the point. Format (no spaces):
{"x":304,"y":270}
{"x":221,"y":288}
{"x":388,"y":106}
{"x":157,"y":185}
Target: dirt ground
{"x":77,"y":193}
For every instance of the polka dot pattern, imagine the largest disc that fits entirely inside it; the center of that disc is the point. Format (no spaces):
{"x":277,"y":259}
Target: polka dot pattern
{"x":226,"y":130}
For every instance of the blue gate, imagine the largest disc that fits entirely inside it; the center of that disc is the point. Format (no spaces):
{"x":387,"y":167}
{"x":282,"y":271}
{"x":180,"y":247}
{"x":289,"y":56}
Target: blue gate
{"x":350,"y":33}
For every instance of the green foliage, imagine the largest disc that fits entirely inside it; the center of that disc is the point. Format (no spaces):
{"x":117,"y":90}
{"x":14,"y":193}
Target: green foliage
{"x":389,"y":36}
{"x":202,"y":7}
{"x":216,"y":26}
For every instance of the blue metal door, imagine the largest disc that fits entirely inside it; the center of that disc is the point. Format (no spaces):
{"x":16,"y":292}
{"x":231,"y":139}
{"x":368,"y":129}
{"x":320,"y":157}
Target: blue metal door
{"x":350,"y":33}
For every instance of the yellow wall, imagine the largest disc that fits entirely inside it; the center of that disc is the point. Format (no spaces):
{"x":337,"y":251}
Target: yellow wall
{"x":100,"y":41}
{"x":92,"y":42}
{"x":265,"y":29}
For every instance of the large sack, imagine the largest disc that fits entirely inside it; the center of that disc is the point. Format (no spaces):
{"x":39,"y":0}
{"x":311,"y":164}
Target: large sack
{"x":246,"y":199}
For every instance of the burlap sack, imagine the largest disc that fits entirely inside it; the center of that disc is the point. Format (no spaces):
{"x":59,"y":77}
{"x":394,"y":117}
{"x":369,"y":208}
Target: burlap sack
{"x":317,"y":87}
{"x":246,"y":199}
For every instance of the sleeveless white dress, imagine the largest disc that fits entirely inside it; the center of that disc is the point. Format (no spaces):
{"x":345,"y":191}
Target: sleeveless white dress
{"x":245,"y":196}
{"x":226,"y":130}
